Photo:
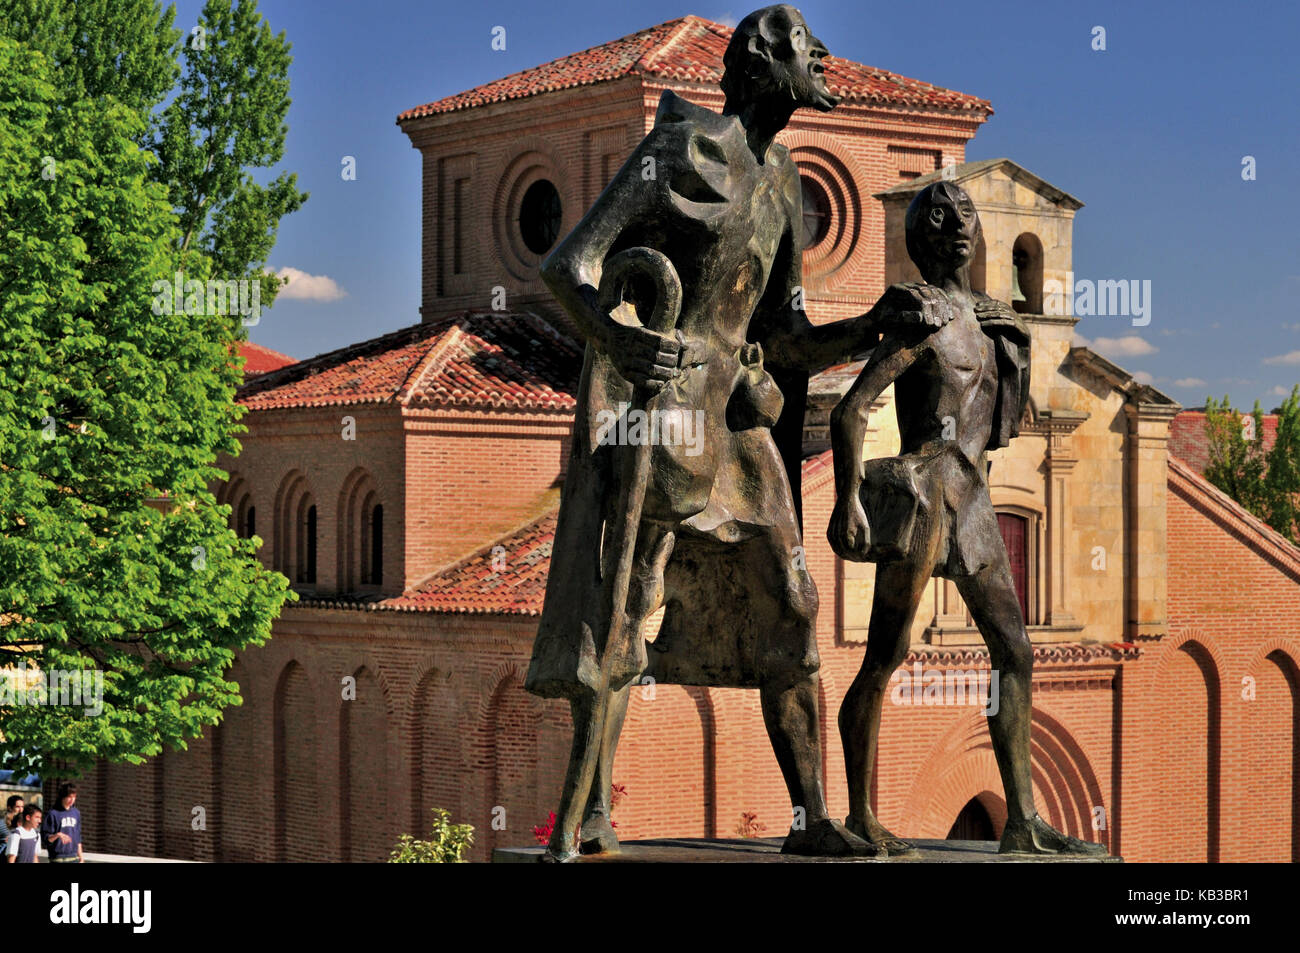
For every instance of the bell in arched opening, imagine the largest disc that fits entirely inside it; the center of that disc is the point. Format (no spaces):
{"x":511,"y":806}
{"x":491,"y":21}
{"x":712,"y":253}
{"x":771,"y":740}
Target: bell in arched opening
{"x":1019,"y":259}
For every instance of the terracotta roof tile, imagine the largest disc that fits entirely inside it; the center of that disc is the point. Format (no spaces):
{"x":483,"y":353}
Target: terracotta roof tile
{"x":510,"y":581}
{"x":1187,"y":438}
{"x":469,"y":358}
{"x":259,"y":360}
{"x":688,"y":49}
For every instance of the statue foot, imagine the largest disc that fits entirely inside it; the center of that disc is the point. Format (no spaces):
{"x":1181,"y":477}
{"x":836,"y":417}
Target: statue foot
{"x":598,"y":835}
{"x":873,"y":832}
{"x":1036,"y":836}
{"x":828,"y":838}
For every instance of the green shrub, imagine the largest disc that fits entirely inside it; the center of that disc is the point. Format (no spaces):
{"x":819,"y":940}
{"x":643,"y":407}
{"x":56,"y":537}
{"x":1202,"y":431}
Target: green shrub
{"x":447,"y":843}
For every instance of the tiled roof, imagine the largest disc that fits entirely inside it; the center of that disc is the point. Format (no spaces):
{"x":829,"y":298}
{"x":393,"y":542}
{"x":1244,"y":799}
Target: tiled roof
{"x":1232,"y":516}
{"x":511,"y":580}
{"x":688,"y":49}
{"x":259,"y":360}
{"x":1187,"y":438}
{"x":468,"y":359}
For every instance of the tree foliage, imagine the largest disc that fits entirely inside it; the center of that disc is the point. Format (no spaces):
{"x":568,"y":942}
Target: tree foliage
{"x":114,"y":555}
{"x":1265,"y":482}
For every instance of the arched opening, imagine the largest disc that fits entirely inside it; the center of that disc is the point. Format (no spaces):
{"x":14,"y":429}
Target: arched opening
{"x":296,"y":530}
{"x":973,"y":823}
{"x":305,"y":554}
{"x":1027,"y":274}
{"x":360,"y":534}
{"x":979,"y":267}
{"x":373,"y":547}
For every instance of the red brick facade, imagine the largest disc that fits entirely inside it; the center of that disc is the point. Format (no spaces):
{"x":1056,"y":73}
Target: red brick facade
{"x":384,"y":700}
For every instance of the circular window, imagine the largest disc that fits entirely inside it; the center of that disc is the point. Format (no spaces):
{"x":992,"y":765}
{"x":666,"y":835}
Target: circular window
{"x":539,"y":216}
{"x":816,"y":212}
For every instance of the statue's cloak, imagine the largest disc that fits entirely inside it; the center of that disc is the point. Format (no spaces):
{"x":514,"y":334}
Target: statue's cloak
{"x":690,"y":182}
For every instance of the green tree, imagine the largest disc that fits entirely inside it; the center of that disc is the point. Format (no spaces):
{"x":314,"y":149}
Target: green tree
{"x":1265,"y":482}
{"x":114,"y":556}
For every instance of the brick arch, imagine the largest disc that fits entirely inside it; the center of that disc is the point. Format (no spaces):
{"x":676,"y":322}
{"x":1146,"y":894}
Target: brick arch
{"x":437,"y":760}
{"x":1189,"y":684}
{"x":293,"y":490}
{"x":296,"y":820}
{"x":1272,"y":760}
{"x":358,"y":496}
{"x":233,"y":744}
{"x":364,"y":771}
{"x":512,"y":747}
{"x":962,"y":765}
{"x":665,"y":758}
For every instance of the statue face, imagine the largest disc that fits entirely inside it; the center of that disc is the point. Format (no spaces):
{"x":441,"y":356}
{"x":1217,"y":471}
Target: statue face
{"x":796,"y":60}
{"x":943,"y":227}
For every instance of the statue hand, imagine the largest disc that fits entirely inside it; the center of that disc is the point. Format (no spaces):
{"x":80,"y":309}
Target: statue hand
{"x":644,"y":358}
{"x":849,"y":534}
{"x":915,"y":303}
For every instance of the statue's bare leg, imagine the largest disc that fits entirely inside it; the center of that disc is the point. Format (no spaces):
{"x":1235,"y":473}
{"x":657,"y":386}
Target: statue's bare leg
{"x":898,"y":590}
{"x":598,"y":834}
{"x":790,"y":700}
{"x":991,"y":597}
{"x":654,"y":546}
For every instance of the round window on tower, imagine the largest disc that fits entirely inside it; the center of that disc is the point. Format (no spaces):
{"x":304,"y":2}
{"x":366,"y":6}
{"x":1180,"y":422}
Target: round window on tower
{"x":539,"y":216}
{"x":816,"y":212}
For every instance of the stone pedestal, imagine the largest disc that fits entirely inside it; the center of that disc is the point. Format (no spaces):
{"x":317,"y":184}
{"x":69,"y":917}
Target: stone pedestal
{"x":767,"y":850}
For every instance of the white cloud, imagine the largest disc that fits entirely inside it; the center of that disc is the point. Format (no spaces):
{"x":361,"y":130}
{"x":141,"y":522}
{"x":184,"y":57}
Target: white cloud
{"x":726,"y":19}
{"x":1280,"y":391}
{"x":1128,"y":346}
{"x":1080,"y":341}
{"x":1190,"y":382}
{"x":307,"y":287}
{"x":1142,"y":377}
{"x":1291,"y":357}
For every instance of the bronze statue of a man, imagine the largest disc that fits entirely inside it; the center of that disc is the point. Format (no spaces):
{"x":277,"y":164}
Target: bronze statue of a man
{"x":961,"y":380}
{"x":685,"y":278}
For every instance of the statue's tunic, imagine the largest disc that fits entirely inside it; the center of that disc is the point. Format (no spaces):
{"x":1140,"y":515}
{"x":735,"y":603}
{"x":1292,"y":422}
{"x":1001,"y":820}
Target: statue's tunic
{"x":694,"y":191}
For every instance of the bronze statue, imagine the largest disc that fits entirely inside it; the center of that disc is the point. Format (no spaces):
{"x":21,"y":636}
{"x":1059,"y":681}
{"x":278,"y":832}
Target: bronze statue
{"x":961,"y":377}
{"x":685,"y":278}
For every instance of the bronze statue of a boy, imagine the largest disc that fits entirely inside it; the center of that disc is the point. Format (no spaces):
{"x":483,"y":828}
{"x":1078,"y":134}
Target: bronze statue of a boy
{"x":961,"y":379}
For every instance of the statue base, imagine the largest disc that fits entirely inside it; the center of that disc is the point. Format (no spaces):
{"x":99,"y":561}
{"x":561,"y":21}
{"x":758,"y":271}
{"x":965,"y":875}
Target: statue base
{"x":767,"y":850}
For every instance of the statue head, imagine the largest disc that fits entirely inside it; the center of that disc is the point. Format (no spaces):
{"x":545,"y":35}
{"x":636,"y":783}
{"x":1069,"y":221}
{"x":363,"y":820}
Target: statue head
{"x":943,"y":229}
{"x":774,"y":56}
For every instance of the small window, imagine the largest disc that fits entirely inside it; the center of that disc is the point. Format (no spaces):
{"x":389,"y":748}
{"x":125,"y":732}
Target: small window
{"x":250,"y":523}
{"x":539,"y":216}
{"x":816,"y":212}
{"x":307,"y":545}
{"x":374,"y":570}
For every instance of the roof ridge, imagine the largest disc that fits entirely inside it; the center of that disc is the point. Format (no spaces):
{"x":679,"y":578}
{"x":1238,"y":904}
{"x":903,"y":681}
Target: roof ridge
{"x":487,"y":547}
{"x":437,"y":355}
{"x":301,"y":369}
{"x":648,"y":58}
{"x":1287,"y":550}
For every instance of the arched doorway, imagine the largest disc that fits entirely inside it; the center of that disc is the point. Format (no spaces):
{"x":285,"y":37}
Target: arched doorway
{"x":973,"y":823}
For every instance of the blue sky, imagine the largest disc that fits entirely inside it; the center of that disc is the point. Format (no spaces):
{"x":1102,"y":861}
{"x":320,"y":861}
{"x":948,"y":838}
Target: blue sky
{"x":1150,"y":134}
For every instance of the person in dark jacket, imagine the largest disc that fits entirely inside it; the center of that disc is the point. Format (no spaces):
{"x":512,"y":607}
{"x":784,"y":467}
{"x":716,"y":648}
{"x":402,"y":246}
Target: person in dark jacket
{"x":61,"y":829}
